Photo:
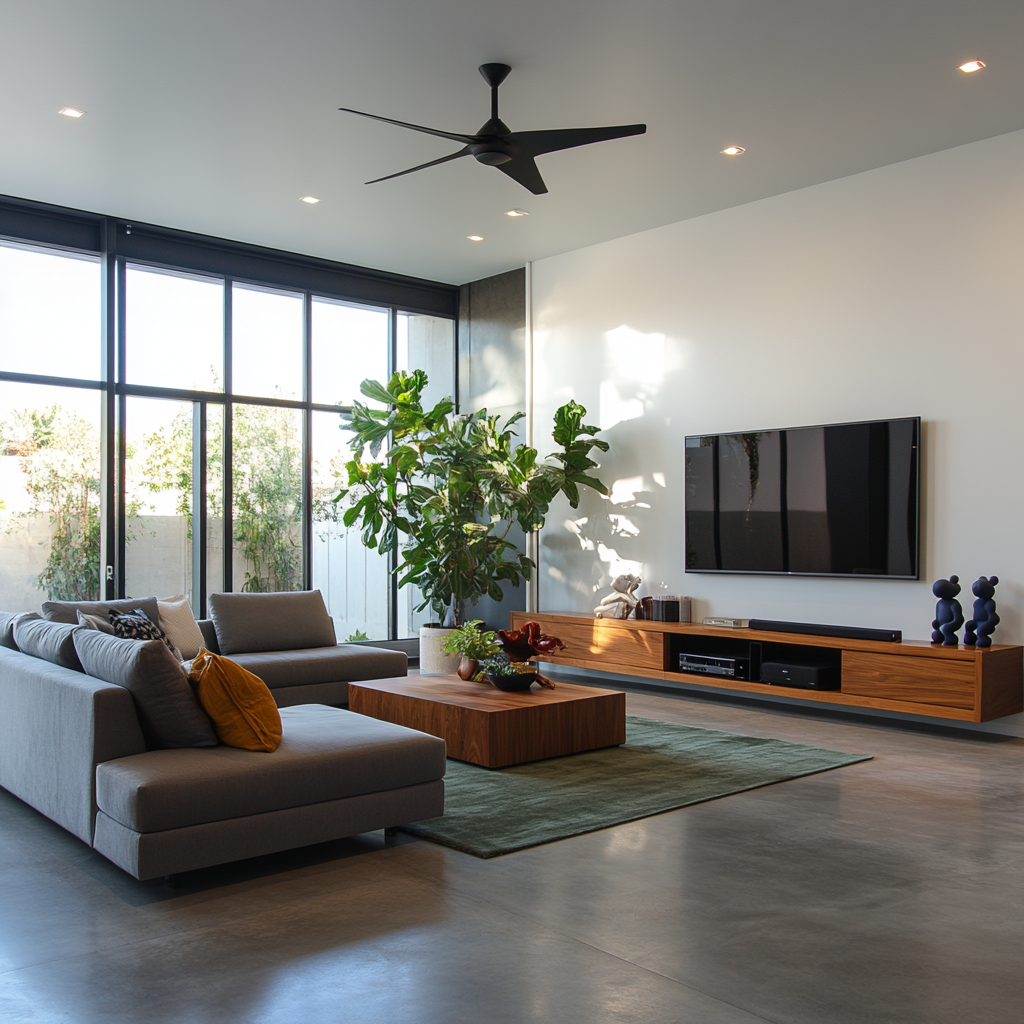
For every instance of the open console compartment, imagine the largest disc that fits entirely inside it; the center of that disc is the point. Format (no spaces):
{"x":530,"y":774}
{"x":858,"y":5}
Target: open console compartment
{"x":800,"y":666}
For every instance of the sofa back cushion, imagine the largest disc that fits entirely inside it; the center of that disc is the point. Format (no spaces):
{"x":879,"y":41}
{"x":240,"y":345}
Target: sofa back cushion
{"x":7,"y":620}
{"x":67,"y":611}
{"x":52,"y":641}
{"x":168,"y":712}
{"x":294,"y":621}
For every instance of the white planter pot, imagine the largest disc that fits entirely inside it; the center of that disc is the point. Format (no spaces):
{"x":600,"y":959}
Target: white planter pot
{"x":433,"y":661}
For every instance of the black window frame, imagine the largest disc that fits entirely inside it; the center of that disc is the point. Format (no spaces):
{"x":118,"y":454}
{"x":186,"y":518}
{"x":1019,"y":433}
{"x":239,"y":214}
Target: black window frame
{"x":119,"y":243}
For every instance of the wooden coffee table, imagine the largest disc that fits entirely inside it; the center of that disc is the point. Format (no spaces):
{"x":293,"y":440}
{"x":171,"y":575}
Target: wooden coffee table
{"x":485,"y":726}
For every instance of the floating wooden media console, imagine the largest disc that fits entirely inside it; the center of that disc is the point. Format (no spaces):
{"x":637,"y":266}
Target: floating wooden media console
{"x":916,"y":677}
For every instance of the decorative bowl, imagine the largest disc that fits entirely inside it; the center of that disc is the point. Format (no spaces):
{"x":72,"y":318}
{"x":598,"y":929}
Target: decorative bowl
{"x":513,"y":684}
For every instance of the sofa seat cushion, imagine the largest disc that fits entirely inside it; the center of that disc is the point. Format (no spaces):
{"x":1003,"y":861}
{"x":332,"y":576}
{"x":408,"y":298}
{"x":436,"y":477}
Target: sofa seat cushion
{"x":325,"y":754}
{"x":343,"y":663}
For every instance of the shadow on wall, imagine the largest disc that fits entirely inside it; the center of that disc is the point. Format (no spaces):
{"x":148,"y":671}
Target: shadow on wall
{"x":639,"y":528}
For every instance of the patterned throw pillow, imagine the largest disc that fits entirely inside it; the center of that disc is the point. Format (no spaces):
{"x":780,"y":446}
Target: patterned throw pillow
{"x":137,"y":625}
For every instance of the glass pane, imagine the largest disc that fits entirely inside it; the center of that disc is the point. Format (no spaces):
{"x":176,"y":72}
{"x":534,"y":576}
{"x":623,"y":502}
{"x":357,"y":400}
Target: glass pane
{"x":266,"y":343}
{"x":49,"y":313}
{"x":49,"y":495}
{"x":267,"y":493}
{"x":353,"y":579}
{"x":214,"y":502}
{"x":158,"y":497}
{"x":174,"y":330}
{"x":350,"y":343}
{"x":410,"y":620}
{"x":427,"y":343}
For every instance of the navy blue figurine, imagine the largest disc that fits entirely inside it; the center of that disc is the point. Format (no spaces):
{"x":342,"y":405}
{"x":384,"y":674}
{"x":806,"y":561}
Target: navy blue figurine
{"x":983,"y":625}
{"x":949,"y":616}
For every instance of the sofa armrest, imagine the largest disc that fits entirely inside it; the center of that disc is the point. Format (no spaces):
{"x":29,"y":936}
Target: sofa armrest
{"x":56,"y":725}
{"x":209,"y":635}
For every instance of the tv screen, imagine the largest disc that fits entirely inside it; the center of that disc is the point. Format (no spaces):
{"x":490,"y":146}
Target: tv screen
{"x":837,"y":500}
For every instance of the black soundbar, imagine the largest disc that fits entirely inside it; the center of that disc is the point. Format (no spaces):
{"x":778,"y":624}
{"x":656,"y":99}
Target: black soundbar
{"x":894,"y":636}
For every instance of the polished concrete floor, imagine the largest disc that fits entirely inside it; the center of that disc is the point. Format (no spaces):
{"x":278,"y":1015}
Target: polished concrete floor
{"x":888,"y":891}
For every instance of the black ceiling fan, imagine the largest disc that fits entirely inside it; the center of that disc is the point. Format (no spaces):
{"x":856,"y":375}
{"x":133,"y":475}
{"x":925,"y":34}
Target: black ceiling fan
{"x":498,"y":146}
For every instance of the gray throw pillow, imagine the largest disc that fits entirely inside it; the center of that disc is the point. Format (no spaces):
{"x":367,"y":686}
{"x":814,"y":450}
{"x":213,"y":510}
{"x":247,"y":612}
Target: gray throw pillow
{"x":51,"y":641}
{"x":291,"y":621}
{"x":168,"y":711}
{"x":95,"y":622}
{"x":67,"y":611}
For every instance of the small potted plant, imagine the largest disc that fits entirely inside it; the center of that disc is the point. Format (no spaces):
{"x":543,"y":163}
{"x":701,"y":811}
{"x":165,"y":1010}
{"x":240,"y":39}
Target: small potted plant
{"x":473,"y":644}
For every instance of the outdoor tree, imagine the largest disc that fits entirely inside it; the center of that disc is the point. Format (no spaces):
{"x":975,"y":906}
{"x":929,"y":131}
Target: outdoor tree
{"x":59,"y":453}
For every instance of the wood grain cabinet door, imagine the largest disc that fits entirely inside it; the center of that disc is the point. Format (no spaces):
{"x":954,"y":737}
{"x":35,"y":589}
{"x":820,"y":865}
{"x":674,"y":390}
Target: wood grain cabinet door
{"x":949,"y":683}
{"x":616,"y":645}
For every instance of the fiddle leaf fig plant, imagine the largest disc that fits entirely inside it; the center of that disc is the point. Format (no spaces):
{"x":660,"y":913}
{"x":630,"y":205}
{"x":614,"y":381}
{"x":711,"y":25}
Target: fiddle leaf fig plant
{"x":448,"y":488}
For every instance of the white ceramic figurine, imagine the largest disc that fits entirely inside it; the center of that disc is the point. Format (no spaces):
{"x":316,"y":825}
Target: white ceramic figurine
{"x":622,"y":600}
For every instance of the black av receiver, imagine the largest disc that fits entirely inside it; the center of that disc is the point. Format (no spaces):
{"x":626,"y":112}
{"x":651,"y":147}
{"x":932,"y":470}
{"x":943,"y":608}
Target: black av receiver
{"x":715,"y":665}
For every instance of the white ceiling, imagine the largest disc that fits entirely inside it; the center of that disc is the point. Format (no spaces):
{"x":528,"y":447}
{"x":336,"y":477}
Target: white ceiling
{"x":216,"y":116}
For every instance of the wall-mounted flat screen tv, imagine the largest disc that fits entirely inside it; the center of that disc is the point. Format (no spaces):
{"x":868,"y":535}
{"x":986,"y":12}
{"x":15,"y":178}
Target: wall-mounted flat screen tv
{"x":837,"y":500}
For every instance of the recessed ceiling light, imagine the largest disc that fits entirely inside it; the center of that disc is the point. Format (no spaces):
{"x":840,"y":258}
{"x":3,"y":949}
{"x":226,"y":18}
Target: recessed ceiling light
{"x":475,"y":238}
{"x":71,"y":111}
{"x":516,"y":213}
{"x":312,"y":200}
{"x":733,"y":150}
{"x":972,"y":65}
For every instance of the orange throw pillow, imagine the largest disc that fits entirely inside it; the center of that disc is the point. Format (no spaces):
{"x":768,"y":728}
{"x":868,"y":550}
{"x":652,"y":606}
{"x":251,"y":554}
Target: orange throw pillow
{"x":239,"y":704}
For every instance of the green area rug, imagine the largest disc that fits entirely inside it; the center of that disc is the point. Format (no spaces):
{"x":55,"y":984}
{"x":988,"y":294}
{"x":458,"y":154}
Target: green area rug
{"x":660,"y":767}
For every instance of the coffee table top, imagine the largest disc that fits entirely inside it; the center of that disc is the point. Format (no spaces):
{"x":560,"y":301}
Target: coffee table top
{"x":479,"y":696}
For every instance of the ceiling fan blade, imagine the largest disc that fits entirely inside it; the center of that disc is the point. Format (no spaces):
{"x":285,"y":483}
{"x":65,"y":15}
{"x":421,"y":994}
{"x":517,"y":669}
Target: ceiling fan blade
{"x":454,"y":136}
{"x":524,"y":170}
{"x":535,"y":143}
{"x":419,"y":167}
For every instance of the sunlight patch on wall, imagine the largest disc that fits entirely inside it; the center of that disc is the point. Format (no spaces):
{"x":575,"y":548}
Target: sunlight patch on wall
{"x":622,"y":526}
{"x":625,"y":489}
{"x":617,"y":565}
{"x":615,"y":409}
{"x":635,"y":368}
{"x":636,"y":356}
{"x":574,"y":527}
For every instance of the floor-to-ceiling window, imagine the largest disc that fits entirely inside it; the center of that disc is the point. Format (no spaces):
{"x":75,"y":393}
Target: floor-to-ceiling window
{"x":198,"y":427}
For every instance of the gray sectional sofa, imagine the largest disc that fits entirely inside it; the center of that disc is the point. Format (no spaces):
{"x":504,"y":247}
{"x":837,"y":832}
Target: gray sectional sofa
{"x":71,"y":746}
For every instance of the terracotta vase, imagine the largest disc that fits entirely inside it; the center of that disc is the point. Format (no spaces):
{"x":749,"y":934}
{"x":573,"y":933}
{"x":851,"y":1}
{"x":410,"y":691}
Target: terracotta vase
{"x":468,"y":667}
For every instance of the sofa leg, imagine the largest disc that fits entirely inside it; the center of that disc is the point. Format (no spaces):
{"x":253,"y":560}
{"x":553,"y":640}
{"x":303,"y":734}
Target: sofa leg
{"x":172,"y":881}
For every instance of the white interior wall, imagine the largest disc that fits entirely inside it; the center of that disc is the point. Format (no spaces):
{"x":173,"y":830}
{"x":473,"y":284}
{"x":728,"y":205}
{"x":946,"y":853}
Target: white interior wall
{"x":896,"y":292}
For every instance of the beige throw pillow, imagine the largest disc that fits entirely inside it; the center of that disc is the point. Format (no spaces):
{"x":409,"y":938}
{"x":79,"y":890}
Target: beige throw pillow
{"x":179,"y":624}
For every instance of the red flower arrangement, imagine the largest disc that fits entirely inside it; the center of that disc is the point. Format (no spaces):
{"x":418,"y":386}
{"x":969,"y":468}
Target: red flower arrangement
{"x":528,"y":642}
